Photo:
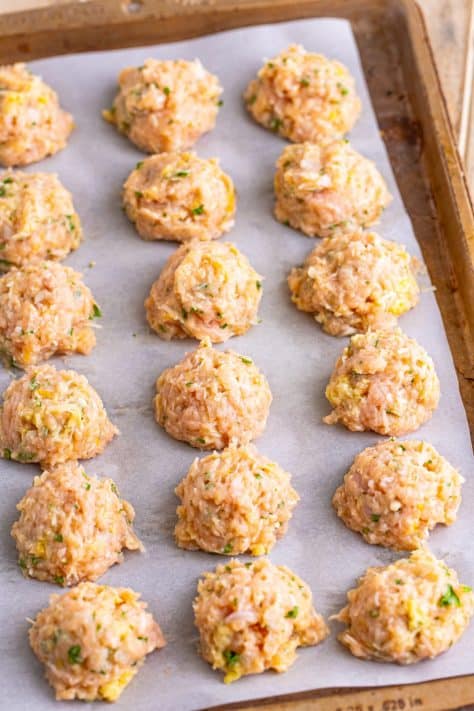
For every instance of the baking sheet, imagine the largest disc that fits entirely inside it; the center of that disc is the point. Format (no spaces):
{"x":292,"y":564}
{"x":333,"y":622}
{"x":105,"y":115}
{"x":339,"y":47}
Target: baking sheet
{"x":292,"y":351}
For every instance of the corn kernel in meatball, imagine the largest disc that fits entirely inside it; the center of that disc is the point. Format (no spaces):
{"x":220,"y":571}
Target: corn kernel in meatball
{"x":395,"y":493}
{"x":165,"y":105}
{"x":37,"y":219}
{"x":32,"y":123}
{"x":385,"y":382}
{"x":45,"y":309}
{"x":253,"y":616}
{"x":354,"y":282}
{"x":206,"y":289}
{"x":179,"y":197}
{"x":72,"y":526}
{"x":325,"y":188}
{"x":405,"y":612}
{"x":236,"y":501}
{"x":52,"y":416}
{"x":212,"y":399}
{"x":92,"y":640}
{"x":303,"y":96}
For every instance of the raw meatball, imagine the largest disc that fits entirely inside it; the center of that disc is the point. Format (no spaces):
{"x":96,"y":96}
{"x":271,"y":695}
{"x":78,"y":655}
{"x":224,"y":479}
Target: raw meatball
{"x":205,"y":289}
{"x":322,"y":189}
{"x":356,"y":282}
{"x":52,"y":416}
{"x":212,"y":399}
{"x":165,"y":105}
{"x":410,"y":610}
{"x":72,"y":526}
{"x":385,"y":382}
{"x":37,"y":219}
{"x":178,"y":197}
{"x":396,"y":492}
{"x":45,"y":309}
{"x":252,"y":617}
{"x":92,"y":641}
{"x":303,"y":96}
{"x":32,"y":124}
{"x":234,"y":502}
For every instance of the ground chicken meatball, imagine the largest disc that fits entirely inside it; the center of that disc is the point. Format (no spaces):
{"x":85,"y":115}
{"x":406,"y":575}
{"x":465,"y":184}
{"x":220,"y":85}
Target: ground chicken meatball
{"x":385,"y":382}
{"x":303,"y":96}
{"x":410,"y":610}
{"x":44,"y":309}
{"x":92,"y":641}
{"x":212,"y":399}
{"x":165,"y":105}
{"x":322,"y":189}
{"x":234,"y":502}
{"x":52,"y":416}
{"x":37,"y":219}
{"x":396,"y":492}
{"x":179,"y":197}
{"x":355,"y":282}
{"x":206,"y":289}
{"x":32,"y":124}
{"x":72,"y":526}
{"x":253,"y":616}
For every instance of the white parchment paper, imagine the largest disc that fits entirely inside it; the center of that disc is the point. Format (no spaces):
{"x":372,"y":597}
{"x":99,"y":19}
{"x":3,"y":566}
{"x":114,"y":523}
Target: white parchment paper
{"x":288,"y":346}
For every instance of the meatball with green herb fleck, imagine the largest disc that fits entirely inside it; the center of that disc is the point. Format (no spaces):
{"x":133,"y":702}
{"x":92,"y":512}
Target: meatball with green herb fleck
{"x":165,"y":105}
{"x":253,"y":616}
{"x":45,"y":309}
{"x":32,"y":123}
{"x":92,"y":640}
{"x":232,"y":502}
{"x":37,"y":219}
{"x":411,"y":610}
{"x":179,"y":197}
{"x":354,"y":282}
{"x":213,"y":399}
{"x":52,"y":416}
{"x":323,"y":189}
{"x":72,"y":526}
{"x":303,"y":96}
{"x":206,"y":289}
{"x":396,"y":492}
{"x":383,"y":381}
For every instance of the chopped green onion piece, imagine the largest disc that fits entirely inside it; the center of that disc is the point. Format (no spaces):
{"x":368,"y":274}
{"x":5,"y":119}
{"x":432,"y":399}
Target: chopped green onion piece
{"x":449,"y":598}
{"x":74,"y":654}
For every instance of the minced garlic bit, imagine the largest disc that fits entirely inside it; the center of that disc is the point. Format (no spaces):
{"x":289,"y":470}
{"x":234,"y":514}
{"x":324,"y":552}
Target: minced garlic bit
{"x":410,"y":610}
{"x":93,"y":640}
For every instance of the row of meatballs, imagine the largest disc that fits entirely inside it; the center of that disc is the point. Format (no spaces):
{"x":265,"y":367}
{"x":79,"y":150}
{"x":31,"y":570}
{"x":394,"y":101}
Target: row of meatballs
{"x":72,"y":527}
